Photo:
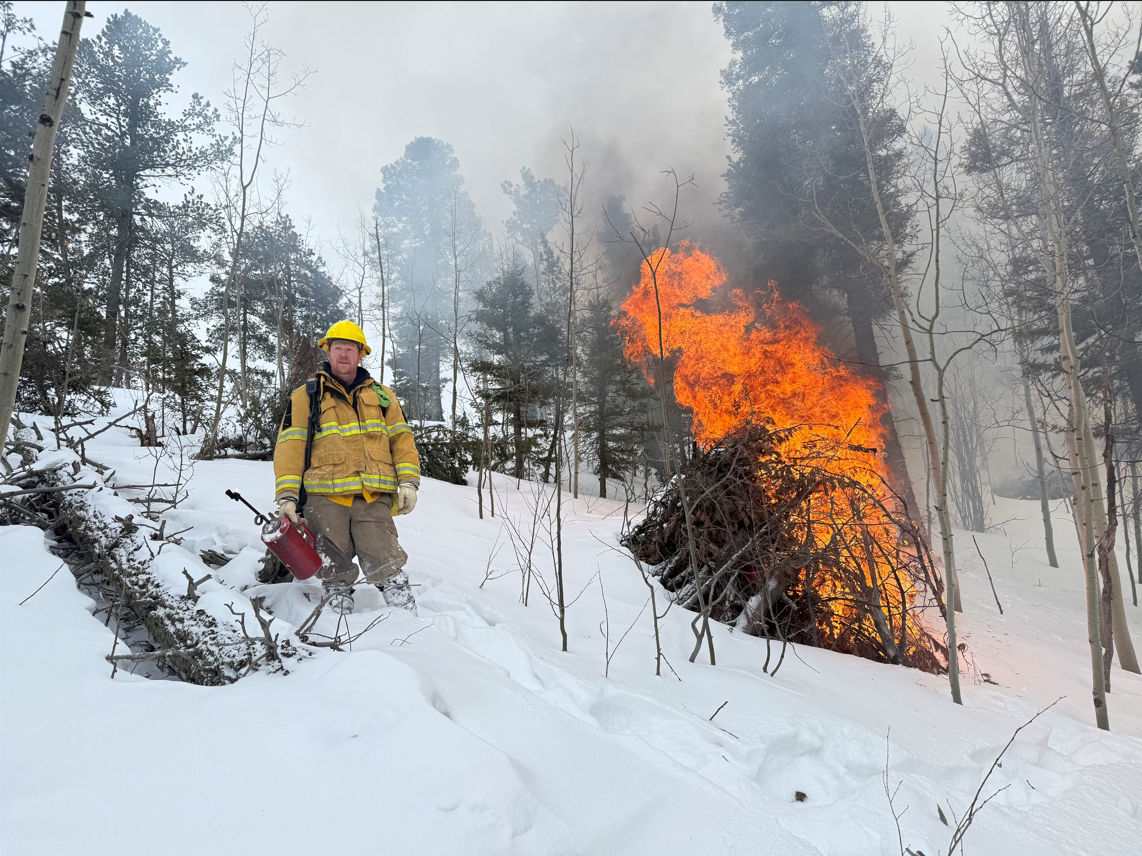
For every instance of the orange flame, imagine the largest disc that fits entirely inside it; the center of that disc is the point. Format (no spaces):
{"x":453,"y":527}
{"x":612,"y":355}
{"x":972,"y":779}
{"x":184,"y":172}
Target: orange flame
{"x":731,"y":366}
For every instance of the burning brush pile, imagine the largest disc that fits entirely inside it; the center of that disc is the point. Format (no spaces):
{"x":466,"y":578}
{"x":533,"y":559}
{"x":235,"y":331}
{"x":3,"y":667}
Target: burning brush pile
{"x":794,"y":532}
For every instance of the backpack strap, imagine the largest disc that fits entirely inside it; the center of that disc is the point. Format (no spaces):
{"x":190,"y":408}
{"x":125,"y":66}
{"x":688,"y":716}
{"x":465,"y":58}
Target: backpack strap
{"x":311,"y":430}
{"x":383,"y":397}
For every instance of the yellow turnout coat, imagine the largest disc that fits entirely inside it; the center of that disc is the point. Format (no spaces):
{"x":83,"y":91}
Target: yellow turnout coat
{"x":362,"y":444}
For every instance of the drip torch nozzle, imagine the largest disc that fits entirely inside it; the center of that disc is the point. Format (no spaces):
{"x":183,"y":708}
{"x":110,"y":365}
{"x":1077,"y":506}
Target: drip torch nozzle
{"x":259,"y":518}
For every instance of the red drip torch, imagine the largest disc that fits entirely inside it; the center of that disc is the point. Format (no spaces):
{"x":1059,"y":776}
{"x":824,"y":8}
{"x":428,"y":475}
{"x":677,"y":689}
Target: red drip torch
{"x":293,"y":545}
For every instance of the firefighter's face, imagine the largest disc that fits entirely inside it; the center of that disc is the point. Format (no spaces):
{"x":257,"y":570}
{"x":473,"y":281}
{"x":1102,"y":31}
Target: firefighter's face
{"x":344,"y":357}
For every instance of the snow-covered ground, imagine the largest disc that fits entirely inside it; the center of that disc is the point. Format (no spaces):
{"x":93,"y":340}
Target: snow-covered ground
{"x":466,"y":731}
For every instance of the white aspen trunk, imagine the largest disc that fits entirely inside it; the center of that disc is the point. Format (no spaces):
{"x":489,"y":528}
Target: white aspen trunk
{"x":571,"y":337}
{"x":278,"y":350}
{"x":32,"y":217}
{"x":1126,"y":532}
{"x":1127,"y":656}
{"x":1083,"y":514}
{"x":1137,"y":519}
{"x":211,"y":442}
{"x":937,"y":448}
{"x":361,"y":283}
{"x":575,"y":413}
{"x":243,"y":326}
{"x":1081,"y":452}
{"x":384,"y":305}
{"x":455,"y":314}
{"x":1041,"y":475}
{"x":1058,"y":274}
{"x":241,"y":108}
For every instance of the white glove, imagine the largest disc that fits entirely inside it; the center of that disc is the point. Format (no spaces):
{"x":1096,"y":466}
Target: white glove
{"x":406,"y":498}
{"x":288,"y":508}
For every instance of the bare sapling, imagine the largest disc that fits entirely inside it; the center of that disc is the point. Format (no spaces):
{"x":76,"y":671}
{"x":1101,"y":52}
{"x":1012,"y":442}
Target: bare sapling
{"x":652,"y":258}
{"x":383,"y":297}
{"x":251,"y":105}
{"x":870,"y":97}
{"x":977,"y":804}
{"x":657,"y":616}
{"x":1023,"y":39}
{"x":575,"y":252}
{"x":994,"y":593}
{"x":524,"y":535}
{"x":605,"y":628}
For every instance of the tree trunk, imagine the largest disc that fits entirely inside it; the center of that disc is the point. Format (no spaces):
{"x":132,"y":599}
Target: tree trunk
{"x":1126,"y":536}
{"x":1127,"y":656}
{"x":1041,"y":474}
{"x":384,"y":305}
{"x":517,"y":438}
{"x":1105,"y":550}
{"x":243,"y":336}
{"x":561,"y":601}
{"x":1136,"y":516}
{"x":604,"y":455}
{"x":32,"y":217}
{"x":937,"y":448}
{"x":869,"y":356}
{"x":115,"y":290}
{"x":574,"y":416}
{"x":455,"y":331}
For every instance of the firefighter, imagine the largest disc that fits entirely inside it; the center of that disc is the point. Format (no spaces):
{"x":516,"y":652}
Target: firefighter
{"x":362,"y":469}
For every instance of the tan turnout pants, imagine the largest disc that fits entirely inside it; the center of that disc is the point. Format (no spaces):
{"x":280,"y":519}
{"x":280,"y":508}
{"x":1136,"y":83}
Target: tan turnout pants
{"x":364,"y":529}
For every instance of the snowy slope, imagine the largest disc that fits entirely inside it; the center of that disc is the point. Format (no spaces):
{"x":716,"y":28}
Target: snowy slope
{"x":467,"y":731}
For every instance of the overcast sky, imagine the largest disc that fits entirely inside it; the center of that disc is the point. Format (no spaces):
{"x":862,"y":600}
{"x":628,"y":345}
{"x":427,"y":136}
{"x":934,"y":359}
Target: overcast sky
{"x":501,"y":82}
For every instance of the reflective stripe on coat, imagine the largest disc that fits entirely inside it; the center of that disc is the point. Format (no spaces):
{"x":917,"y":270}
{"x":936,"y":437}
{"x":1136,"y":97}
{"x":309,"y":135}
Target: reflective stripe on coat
{"x":358,"y":445}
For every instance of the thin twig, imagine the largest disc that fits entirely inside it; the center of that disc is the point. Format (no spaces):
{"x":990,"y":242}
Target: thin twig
{"x":989,"y":579}
{"x":44,"y":583}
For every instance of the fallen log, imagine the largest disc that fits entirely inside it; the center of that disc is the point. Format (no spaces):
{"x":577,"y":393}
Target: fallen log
{"x":55,"y":489}
{"x":196,"y":645}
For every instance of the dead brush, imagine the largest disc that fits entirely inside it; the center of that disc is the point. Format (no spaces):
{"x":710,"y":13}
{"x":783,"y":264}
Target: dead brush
{"x":791,"y":546}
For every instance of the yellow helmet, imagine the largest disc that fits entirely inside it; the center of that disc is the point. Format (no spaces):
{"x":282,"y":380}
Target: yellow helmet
{"x":348,"y":331}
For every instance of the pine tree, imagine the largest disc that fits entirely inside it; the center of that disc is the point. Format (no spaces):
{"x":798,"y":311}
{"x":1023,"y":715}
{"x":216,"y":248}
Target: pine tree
{"x":614,"y":397}
{"x":797,"y":156}
{"x":130,"y":145}
{"x":520,"y":352}
{"x":423,"y":204}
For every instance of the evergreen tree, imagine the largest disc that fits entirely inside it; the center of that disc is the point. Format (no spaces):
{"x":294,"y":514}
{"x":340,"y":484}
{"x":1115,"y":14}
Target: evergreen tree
{"x":536,"y":211}
{"x":520,"y":350}
{"x":173,"y":355}
{"x":423,"y":204}
{"x":131,"y":145}
{"x":798,"y":156}
{"x":63,"y":350}
{"x":282,"y":302}
{"x":613,"y":399}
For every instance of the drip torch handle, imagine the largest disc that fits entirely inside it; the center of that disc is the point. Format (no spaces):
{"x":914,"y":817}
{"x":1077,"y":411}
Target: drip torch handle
{"x":259,"y":518}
